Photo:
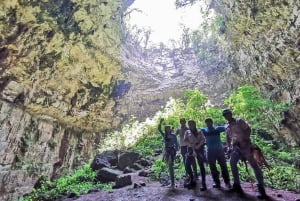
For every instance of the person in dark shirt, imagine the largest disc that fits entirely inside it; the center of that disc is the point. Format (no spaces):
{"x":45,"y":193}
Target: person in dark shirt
{"x":215,"y":152}
{"x":171,"y":147}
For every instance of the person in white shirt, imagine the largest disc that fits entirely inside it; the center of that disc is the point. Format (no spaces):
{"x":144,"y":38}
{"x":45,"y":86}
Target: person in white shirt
{"x":196,"y":142}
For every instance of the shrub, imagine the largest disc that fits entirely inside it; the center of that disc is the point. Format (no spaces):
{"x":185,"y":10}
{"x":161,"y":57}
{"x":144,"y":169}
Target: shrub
{"x":78,"y":182}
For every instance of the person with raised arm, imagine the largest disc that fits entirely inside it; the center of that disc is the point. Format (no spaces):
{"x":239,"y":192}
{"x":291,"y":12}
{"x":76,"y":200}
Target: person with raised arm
{"x":171,"y":147}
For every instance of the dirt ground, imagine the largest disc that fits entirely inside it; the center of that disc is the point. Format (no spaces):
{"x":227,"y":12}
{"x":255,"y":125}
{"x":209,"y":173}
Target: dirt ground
{"x":154,"y":191}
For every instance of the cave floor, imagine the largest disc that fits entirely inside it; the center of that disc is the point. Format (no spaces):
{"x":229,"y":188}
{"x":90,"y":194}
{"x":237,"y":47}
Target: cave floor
{"x":154,"y":191}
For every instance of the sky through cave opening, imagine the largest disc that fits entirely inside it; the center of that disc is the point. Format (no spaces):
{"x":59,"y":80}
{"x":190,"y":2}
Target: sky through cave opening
{"x":163,"y":20}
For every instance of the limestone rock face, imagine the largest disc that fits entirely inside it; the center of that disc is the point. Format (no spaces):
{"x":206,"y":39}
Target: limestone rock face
{"x":264,"y":43}
{"x":60,"y":58}
{"x":30,"y":146}
{"x":291,"y":123}
{"x":58,"y":68}
{"x":152,"y":77}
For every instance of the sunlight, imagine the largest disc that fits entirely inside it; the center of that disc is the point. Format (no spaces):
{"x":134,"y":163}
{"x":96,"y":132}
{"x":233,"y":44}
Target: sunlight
{"x":134,"y":131}
{"x":165,"y":21}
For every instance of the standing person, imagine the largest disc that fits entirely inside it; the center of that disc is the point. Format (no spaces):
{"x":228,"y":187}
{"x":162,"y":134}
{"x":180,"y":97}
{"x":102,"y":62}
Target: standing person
{"x":183,"y":145}
{"x":171,"y":146}
{"x":181,"y":132}
{"x":215,"y":152}
{"x":195,"y":141}
{"x":239,"y":144}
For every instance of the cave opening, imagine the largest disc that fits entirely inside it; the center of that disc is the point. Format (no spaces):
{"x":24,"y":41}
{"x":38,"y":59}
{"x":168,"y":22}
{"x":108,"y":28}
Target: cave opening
{"x":163,"y":21}
{"x":172,"y":46}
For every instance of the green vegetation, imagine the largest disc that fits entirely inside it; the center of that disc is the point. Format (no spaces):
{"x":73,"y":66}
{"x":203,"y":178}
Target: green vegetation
{"x":194,"y":105}
{"x":246,"y":102}
{"x":77,"y":182}
{"x":143,"y":137}
{"x":146,"y":146}
{"x":262,"y":113}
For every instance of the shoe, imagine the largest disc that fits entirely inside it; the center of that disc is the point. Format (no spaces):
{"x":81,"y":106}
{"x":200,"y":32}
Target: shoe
{"x":190,"y":184}
{"x":203,"y":188}
{"x":237,"y":189}
{"x":261,"y":192}
{"x":217,"y":186}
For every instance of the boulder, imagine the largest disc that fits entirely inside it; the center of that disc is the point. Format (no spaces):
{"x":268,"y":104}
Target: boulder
{"x":128,"y":170}
{"x":139,"y":185}
{"x":99,"y":163}
{"x":107,"y":175}
{"x":144,"y":162}
{"x":105,"y":159}
{"x":111,"y":156}
{"x":145,"y":173}
{"x":122,"y":180}
{"x":127,"y":159}
{"x":137,"y":166}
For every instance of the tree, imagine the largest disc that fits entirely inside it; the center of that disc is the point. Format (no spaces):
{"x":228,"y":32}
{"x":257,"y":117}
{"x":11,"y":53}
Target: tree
{"x":183,"y":3}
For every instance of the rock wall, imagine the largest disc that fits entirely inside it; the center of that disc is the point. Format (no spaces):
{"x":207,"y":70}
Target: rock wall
{"x":59,"y":59}
{"x":59,"y":63}
{"x":264,"y":42}
{"x":152,"y":76}
{"x":31,"y":146}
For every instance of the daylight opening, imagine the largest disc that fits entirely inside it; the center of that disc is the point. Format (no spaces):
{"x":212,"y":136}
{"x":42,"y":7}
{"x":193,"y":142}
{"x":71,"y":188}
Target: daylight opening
{"x":161,"y":22}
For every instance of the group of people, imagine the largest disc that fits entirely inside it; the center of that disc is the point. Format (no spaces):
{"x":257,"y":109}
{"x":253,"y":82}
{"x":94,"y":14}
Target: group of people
{"x":192,"y":142}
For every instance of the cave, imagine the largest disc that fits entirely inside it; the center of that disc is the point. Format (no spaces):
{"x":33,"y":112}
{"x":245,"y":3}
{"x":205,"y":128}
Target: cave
{"x":83,"y":72}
